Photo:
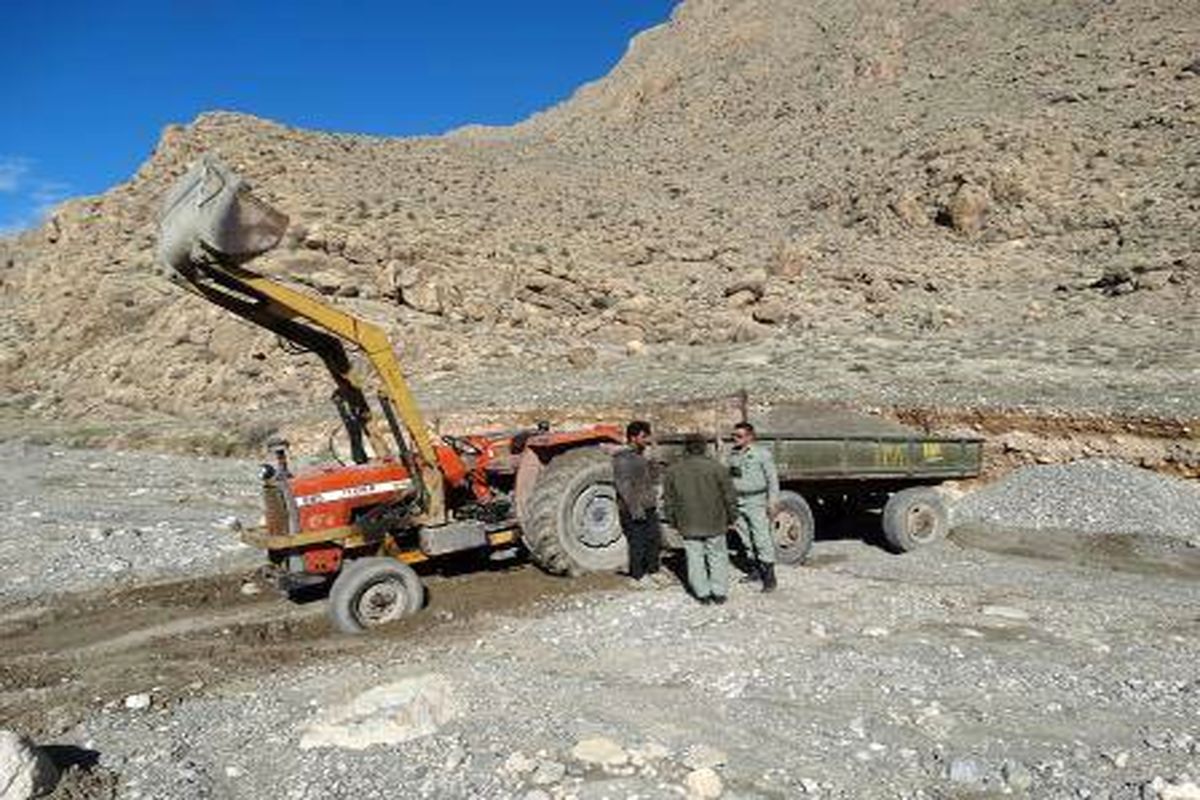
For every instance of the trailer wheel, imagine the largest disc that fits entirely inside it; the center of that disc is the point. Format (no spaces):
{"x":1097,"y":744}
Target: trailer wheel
{"x":373,"y":591}
{"x":915,"y":518}
{"x":572,"y":525}
{"x":794,"y":529}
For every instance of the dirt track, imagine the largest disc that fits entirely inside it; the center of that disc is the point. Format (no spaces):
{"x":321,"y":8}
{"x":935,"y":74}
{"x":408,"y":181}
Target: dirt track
{"x":77,"y":654}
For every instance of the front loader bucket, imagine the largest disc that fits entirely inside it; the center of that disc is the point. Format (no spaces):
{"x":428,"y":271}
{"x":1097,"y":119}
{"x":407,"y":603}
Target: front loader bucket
{"x":211,"y":213}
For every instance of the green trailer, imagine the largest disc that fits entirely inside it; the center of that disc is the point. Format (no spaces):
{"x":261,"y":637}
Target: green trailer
{"x":841,"y":464}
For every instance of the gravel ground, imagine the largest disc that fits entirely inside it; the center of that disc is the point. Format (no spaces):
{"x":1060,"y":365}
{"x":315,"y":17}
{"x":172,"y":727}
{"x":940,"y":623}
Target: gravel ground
{"x":1093,"y":496}
{"x":955,"y":671}
{"x":940,"y":674}
{"x":79,"y":519}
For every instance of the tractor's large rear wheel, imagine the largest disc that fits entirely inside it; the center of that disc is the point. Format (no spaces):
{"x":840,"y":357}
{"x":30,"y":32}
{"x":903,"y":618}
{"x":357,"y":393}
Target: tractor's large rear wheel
{"x":370,"y":592}
{"x":572,"y":525}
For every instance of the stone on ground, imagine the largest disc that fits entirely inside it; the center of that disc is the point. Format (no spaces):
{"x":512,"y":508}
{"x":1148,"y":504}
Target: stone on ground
{"x":703,"y":784}
{"x":388,"y":714}
{"x":25,"y":771}
{"x":600,"y":751}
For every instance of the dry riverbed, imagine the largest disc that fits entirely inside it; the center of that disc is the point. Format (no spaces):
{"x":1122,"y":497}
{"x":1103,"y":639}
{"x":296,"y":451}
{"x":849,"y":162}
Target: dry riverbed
{"x":988,"y":665}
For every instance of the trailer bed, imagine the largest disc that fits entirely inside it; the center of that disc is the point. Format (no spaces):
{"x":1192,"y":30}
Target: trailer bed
{"x":822,"y":444}
{"x":813,"y":458}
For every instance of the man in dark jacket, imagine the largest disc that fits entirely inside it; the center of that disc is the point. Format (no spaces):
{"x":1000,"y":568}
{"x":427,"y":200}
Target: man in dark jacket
{"x":637,"y":501}
{"x":698,"y":499}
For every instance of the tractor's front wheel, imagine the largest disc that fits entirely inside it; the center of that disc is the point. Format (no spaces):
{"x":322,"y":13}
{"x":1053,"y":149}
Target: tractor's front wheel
{"x":572,"y":525}
{"x":370,"y":592}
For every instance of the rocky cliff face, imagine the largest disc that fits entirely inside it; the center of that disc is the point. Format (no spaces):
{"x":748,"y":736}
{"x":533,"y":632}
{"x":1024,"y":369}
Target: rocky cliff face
{"x":1020,"y":178}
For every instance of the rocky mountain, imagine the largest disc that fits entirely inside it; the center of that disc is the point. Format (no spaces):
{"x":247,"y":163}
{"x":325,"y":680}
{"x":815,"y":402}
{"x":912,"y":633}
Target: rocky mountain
{"x":1013,"y":186}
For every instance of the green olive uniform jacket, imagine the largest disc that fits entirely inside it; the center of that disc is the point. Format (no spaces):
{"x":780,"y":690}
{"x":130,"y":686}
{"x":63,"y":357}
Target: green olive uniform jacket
{"x":754,"y":475}
{"x":698,"y":497}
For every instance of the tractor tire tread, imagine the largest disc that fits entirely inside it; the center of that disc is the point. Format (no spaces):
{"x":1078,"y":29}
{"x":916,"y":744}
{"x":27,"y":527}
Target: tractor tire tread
{"x":359,"y":572}
{"x":541,"y":534}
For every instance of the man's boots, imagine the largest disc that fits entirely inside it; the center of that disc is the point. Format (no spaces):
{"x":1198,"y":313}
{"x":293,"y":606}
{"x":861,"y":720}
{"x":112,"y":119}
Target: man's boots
{"x":754,"y":573}
{"x":768,"y":576}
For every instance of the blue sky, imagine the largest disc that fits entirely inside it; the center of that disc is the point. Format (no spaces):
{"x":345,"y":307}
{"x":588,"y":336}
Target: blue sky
{"x":87,"y":87}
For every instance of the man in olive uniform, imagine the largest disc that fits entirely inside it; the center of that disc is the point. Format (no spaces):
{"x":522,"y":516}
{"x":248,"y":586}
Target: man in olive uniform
{"x":757,"y":484}
{"x":698,"y":499}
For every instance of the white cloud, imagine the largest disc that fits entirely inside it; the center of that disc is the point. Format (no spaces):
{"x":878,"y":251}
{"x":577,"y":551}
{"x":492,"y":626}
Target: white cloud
{"x":12,"y":173}
{"x":46,"y":195}
{"x":30,"y":198}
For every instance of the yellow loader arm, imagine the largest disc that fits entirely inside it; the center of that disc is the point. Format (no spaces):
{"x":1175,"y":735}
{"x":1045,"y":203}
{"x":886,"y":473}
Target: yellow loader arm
{"x":210,"y":225}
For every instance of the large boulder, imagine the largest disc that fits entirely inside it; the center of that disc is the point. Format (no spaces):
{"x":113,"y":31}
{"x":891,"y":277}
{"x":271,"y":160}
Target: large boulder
{"x":396,"y":712}
{"x":25,"y":771}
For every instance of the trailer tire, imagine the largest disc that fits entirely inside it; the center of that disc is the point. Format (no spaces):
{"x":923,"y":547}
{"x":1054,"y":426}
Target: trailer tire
{"x":914,"y":518}
{"x":370,"y":592}
{"x":794,"y":529}
{"x":572,"y":525}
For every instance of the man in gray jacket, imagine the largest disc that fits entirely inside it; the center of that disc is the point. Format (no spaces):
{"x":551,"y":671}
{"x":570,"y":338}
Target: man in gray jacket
{"x":699,"y":500}
{"x":637,"y":501}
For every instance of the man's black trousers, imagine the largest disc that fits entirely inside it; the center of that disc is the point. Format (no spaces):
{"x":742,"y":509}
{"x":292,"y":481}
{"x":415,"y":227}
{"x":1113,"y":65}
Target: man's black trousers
{"x":645,"y":541}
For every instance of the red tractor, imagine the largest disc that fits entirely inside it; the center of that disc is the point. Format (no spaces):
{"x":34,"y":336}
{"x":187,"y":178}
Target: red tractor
{"x":410,"y":495}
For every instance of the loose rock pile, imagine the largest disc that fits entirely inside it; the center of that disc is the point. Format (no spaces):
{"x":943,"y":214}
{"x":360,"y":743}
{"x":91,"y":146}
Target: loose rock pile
{"x":1092,"y":496}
